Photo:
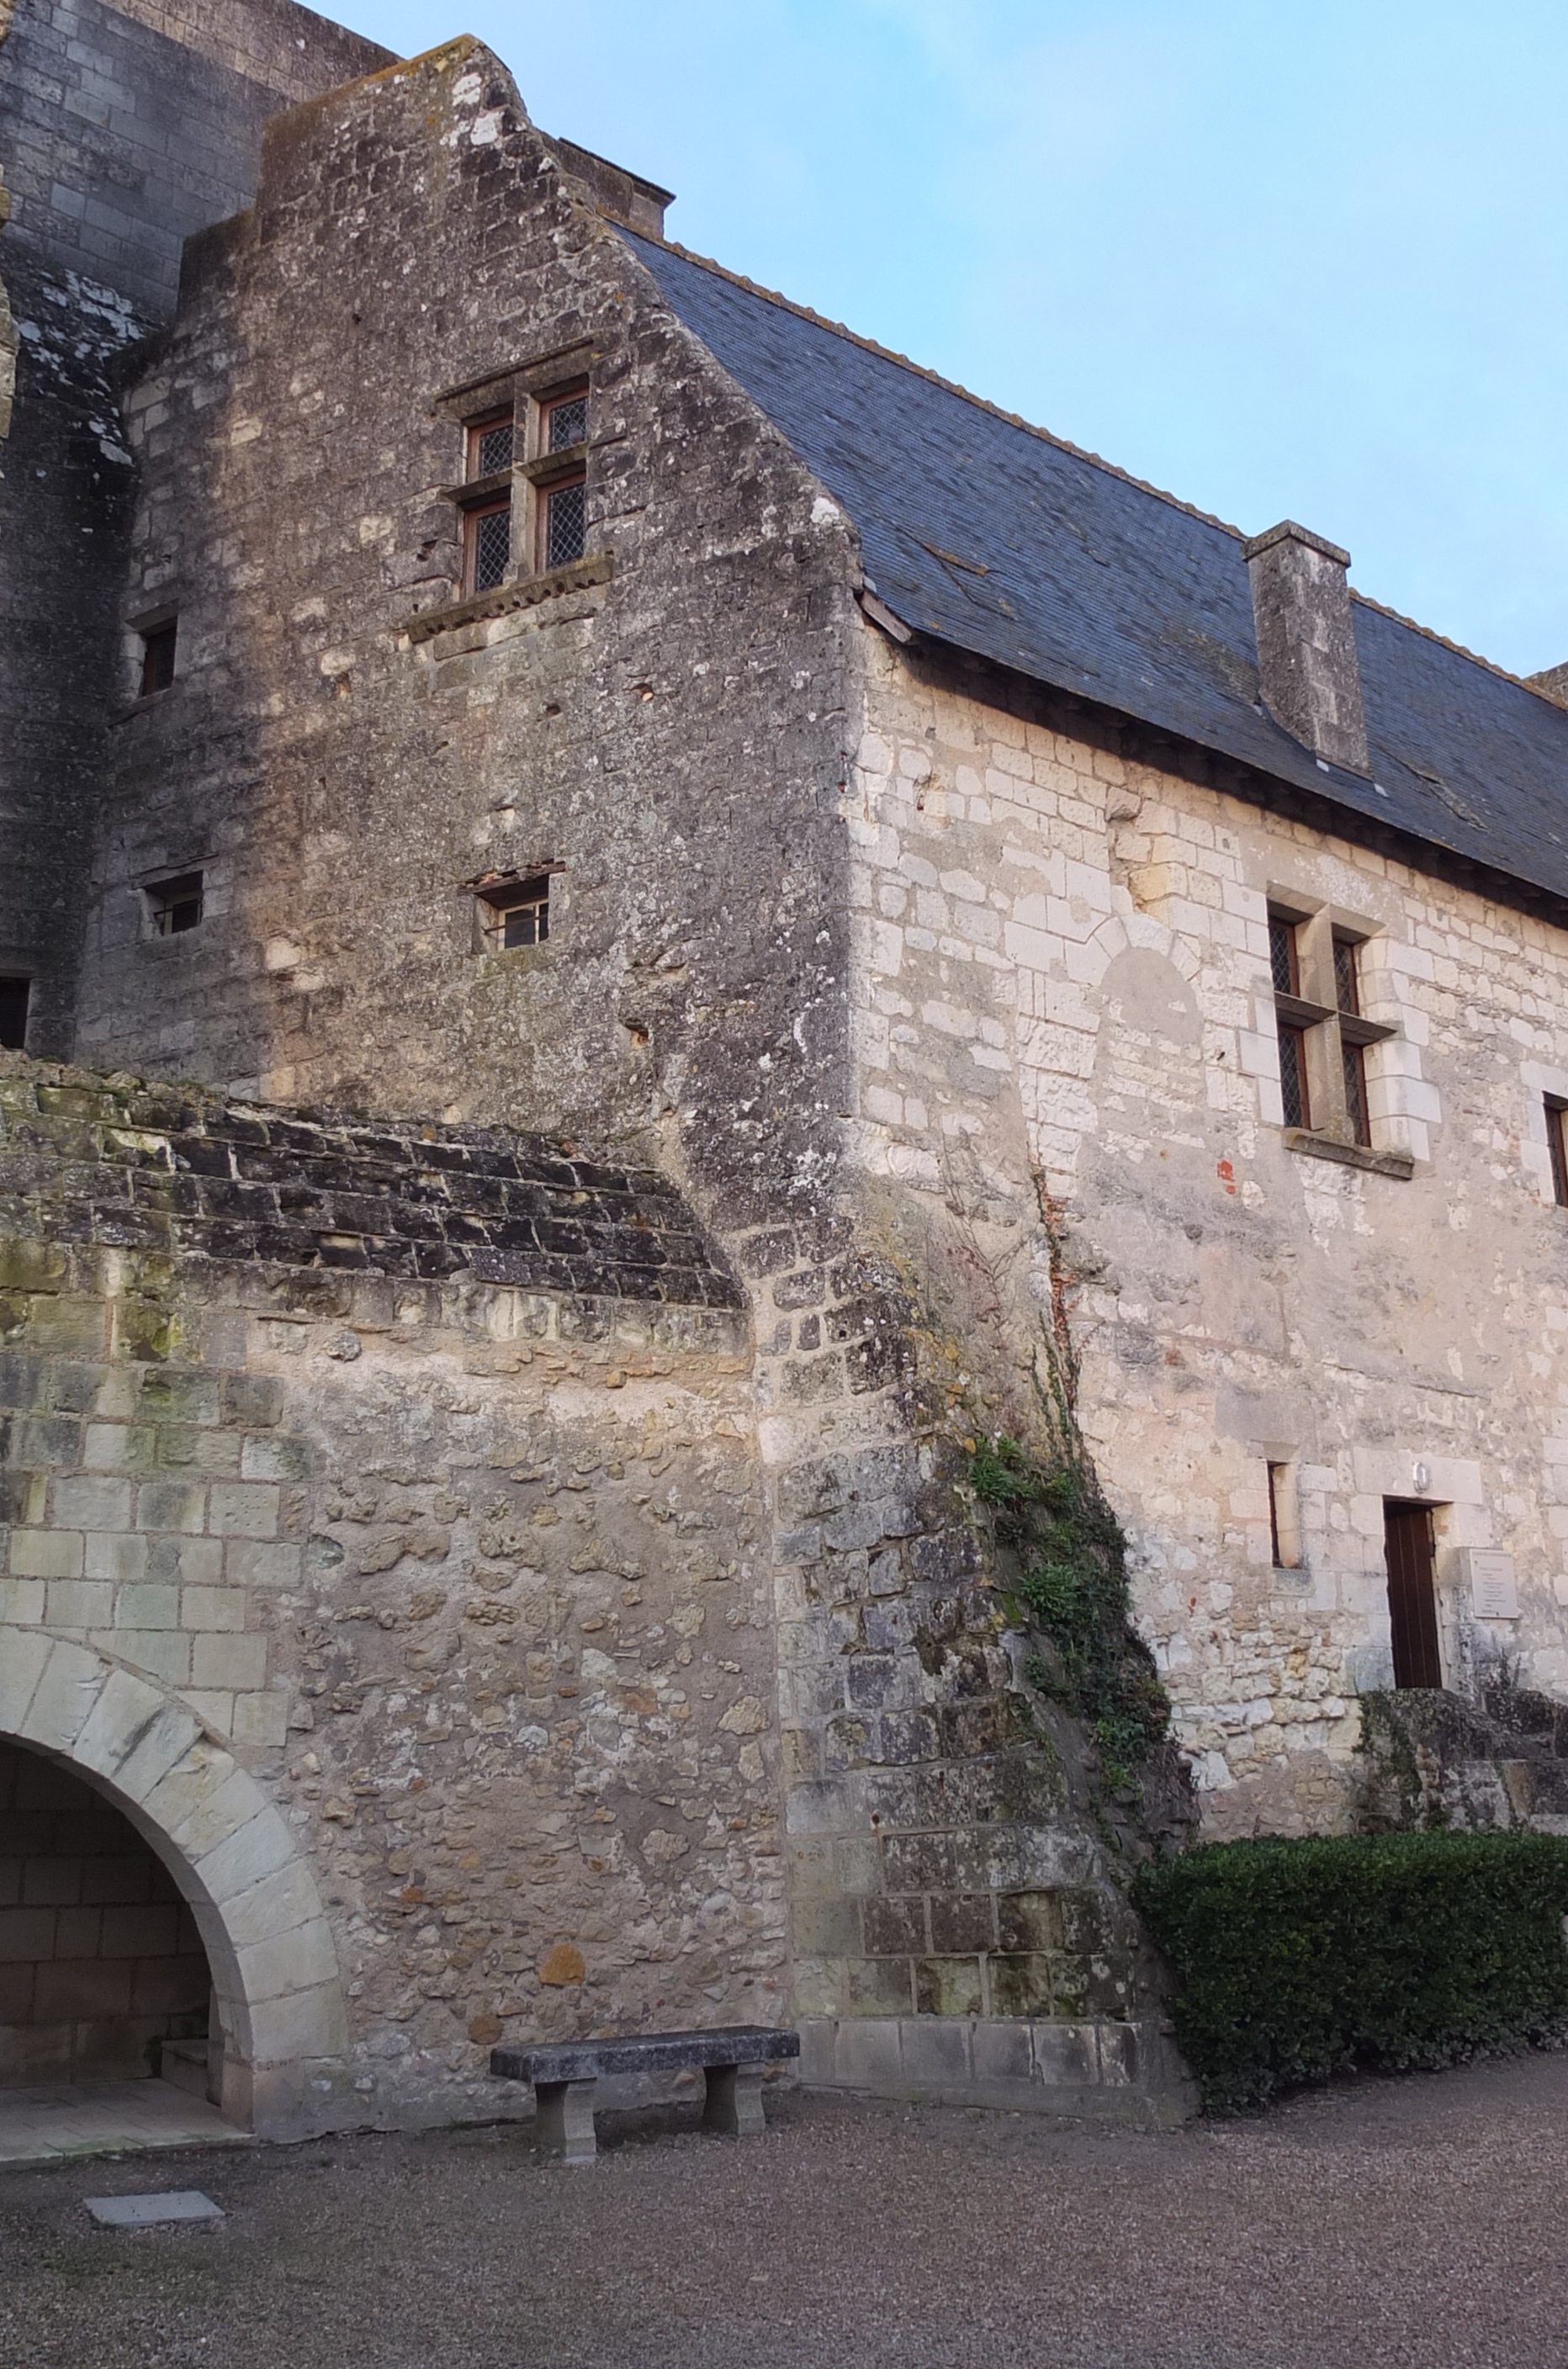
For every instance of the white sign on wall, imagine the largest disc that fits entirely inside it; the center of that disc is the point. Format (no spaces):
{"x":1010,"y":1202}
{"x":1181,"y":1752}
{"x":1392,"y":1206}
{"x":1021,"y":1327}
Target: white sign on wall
{"x":1494,"y":1589}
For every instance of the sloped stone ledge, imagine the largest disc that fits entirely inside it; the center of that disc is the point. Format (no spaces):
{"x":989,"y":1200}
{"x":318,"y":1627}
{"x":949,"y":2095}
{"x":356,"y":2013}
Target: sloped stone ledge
{"x":116,"y":1162}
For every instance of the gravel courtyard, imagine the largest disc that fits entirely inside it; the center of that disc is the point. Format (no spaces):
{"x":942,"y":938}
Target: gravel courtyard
{"x":1421,"y":2222}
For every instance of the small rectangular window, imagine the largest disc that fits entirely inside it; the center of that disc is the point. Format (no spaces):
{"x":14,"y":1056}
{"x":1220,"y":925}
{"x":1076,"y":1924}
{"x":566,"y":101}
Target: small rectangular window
{"x":14,"y":996}
{"x":157,"y":658}
{"x":490,"y":445}
{"x":175,"y":906}
{"x":487,"y":537}
{"x":1556,"y":1118}
{"x":516,"y":912}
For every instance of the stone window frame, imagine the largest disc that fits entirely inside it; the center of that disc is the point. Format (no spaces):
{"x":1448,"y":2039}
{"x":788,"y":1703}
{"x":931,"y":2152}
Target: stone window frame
{"x":497,"y":894}
{"x":1546,"y":1117}
{"x":1320,"y":1016}
{"x":149,"y":634}
{"x":530,"y":392}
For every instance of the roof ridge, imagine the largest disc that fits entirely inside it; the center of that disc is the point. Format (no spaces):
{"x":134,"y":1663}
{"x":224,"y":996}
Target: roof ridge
{"x":1430,"y":634}
{"x":919,"y":369}
{"x":1064,"y":445}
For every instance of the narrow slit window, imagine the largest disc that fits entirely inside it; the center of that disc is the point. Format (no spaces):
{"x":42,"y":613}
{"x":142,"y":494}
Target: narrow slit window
{"x":176,"y":906}
{"x":487,"y":535}
{"x":157,"y":658}
{"x":14,"y":994}
{"x":1556,"y":1118}
{"x":517,"y":913}
{"x":1284,"y":1521}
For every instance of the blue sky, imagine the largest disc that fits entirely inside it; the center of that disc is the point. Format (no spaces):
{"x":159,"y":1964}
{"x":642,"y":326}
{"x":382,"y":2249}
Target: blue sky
{"x":1285,"y":260}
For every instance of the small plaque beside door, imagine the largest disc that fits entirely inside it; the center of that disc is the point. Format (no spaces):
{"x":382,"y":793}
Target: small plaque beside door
{"x":1494,"y":1589}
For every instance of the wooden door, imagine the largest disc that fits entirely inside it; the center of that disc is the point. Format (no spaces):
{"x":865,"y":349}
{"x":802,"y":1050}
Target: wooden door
{"x":1413,"y":1594}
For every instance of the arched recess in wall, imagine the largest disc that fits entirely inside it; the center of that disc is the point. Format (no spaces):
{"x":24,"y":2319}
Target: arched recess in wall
{"x":273,"y":1961}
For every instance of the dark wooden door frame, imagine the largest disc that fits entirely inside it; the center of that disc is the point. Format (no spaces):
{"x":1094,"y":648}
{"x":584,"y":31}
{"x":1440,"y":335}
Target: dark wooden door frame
{"x":1413,"y":1593}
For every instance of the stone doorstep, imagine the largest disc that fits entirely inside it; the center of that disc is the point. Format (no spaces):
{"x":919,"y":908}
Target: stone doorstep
{"x":1125,"y":2073}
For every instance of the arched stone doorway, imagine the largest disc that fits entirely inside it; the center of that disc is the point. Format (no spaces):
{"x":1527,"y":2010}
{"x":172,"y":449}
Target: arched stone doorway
{"x":269,"y":1949}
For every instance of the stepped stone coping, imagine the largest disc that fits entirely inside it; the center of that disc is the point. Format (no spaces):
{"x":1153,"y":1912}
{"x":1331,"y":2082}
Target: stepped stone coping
{"x":564,"y":2074}
{"x":176,"y":1169}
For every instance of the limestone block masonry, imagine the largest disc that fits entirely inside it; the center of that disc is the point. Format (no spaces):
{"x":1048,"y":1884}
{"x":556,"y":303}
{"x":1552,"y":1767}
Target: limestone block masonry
{"x":1066,"y":1000}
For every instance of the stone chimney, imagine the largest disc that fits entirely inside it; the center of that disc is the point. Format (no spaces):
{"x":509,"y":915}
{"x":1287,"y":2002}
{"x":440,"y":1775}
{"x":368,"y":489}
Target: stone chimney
{"x":1307,"y":663}
{"x":1551,"y":684}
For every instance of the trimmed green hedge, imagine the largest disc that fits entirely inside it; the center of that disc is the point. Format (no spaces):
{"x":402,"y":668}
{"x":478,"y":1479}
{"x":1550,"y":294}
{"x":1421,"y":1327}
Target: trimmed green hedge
{"x":1299,"y":1960}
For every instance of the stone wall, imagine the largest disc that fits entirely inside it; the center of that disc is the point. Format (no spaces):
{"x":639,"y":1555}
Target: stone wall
{"x":126,"y":128}
{"x":122,"y":131}
{"x":349,"y":749}
{"x":99,"y":1958}
{"x":1066,"y":1006}
{"x":469,"y":1579}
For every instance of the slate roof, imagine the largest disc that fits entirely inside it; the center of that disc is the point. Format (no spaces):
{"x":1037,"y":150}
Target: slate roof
{"x":1007,"y":542}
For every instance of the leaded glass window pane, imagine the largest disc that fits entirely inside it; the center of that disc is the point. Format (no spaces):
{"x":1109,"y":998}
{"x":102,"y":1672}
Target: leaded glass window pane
{"x":569,"y":423}
{"x":566,"y":525}
{"x":1282,"y":956}
{"x":492,"y":547}
{"x":1344,"y":975}
{"x":494,"y":449}
{"x":1293,"y":1076}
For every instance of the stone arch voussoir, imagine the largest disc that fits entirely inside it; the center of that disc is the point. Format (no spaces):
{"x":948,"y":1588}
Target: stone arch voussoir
{"x":273,"y":1960}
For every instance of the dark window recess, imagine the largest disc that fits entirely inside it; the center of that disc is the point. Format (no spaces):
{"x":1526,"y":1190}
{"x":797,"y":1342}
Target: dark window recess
{"x":14,"y":994}
{"x":565,"y":422}
{"x":157,"y":659}
{"x":1556,"y":1118}
{"x":1293,"y":1076}
{"x":488,"y":535}
{"x":1277,"y":1479}
{"x":175,"y":905}
{"x":490,"y":445}
{"x":1356,"y":1091}
{"x":1413,"y":1594}
{"x":1347,"y":991}
{"x":565,"y":524}
{"x":1282,"y":959}
{"x":518,"y":914}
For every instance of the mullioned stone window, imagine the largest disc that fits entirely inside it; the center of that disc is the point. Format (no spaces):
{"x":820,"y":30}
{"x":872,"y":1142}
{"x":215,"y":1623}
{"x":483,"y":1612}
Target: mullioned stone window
{"x":1315,"y":970}
{"x":523,"y":493}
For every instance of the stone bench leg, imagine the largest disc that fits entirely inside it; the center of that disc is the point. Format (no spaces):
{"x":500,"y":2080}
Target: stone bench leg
{"x":564,"y":2119}
{"x":734,"y":2101}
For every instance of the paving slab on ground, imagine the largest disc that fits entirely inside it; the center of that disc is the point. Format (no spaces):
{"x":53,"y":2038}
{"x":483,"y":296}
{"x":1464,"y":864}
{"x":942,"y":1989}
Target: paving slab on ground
{"x":1414,"y":2225}
{"x":106,"y":2118}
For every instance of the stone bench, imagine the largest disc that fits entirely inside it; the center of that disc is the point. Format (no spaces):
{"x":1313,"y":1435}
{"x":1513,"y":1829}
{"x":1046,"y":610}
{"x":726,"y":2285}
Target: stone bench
{"x":564,"y":2074}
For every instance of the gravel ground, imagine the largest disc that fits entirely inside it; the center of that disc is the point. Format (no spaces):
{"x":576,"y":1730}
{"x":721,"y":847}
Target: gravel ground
{"x":1421,"y":2222}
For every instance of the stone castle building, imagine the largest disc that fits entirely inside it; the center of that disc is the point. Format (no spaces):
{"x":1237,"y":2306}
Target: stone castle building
{"x":625,"y":924}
